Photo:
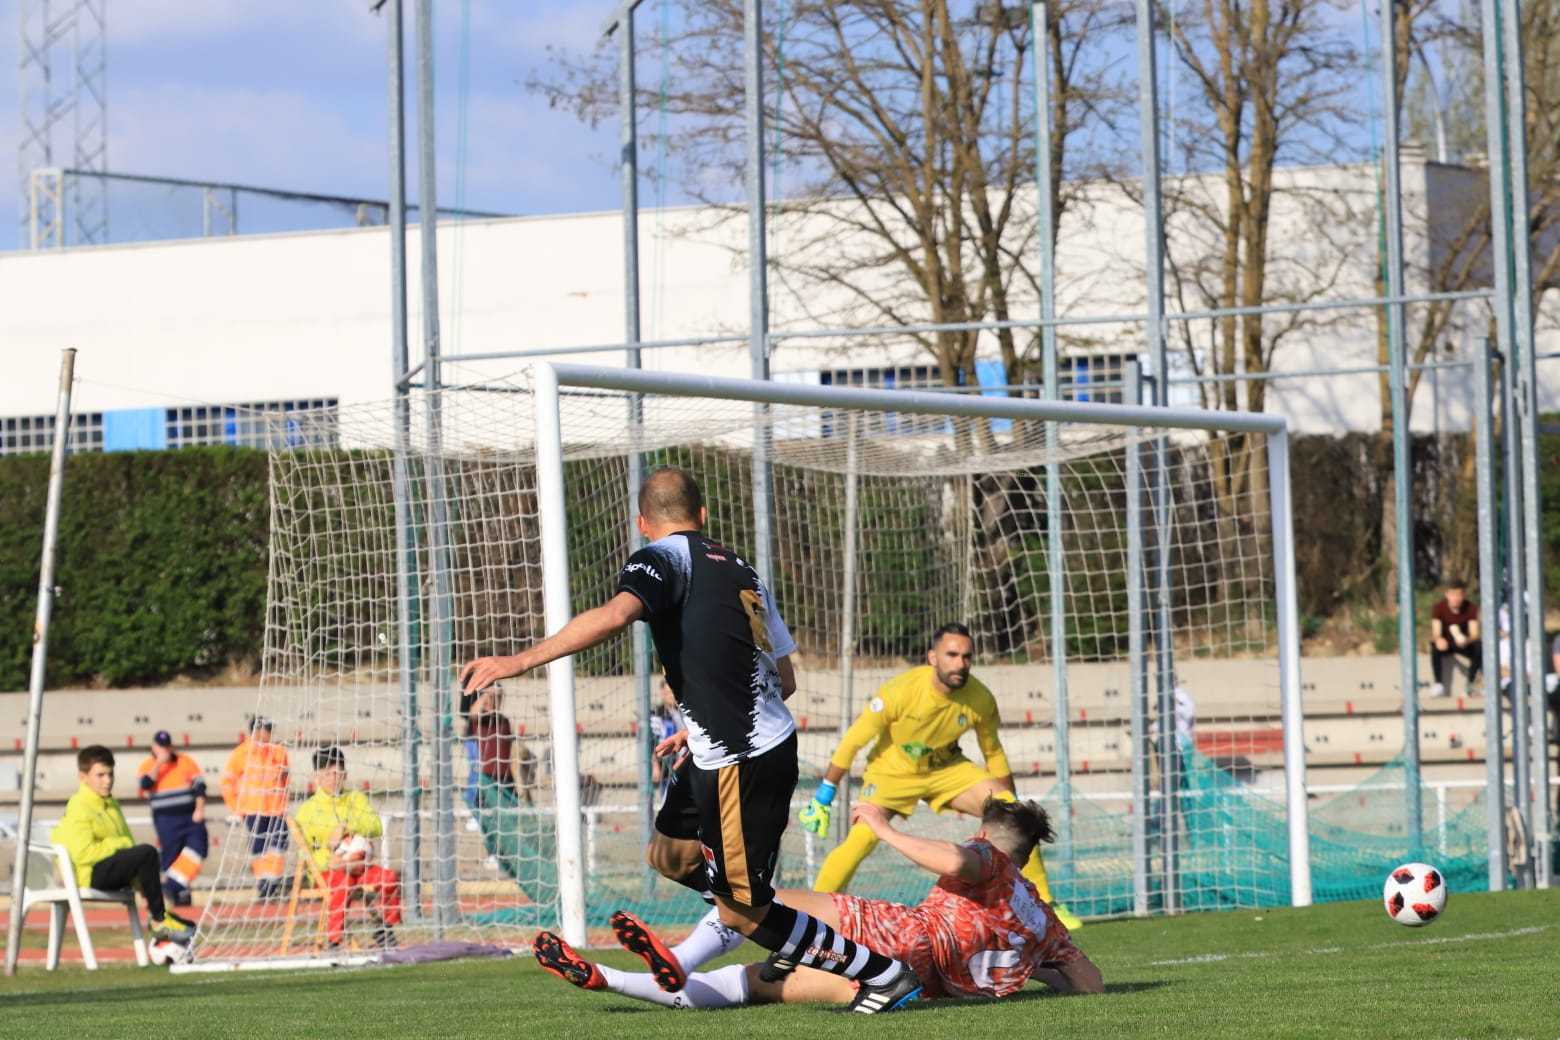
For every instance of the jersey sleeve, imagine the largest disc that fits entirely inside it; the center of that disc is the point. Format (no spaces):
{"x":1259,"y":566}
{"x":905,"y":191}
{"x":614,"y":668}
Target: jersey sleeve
{"x":986,"y":735}
{"x":986,"y":853}
{"x":650,"y":576}
{"x":231,"y":774}
{"x":869,"y":726}
{"x":780,"y":639}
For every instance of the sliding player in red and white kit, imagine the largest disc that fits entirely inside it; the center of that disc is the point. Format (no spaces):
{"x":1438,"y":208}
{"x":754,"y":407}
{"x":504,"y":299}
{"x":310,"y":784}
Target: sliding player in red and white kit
{"x":982,"y":931}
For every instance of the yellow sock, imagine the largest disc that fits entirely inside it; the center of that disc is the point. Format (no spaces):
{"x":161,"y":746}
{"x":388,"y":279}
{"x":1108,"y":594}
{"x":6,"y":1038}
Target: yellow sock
{"x":840,"y":865}
{"x":1034,"y":870}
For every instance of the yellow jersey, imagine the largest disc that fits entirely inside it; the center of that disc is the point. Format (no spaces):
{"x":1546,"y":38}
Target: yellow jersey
{"x":917,"y":729}
{"x":323,"y":813}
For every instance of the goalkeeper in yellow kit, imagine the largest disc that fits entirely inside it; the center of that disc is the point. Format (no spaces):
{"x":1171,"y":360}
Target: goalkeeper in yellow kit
{"x":916,"y":720}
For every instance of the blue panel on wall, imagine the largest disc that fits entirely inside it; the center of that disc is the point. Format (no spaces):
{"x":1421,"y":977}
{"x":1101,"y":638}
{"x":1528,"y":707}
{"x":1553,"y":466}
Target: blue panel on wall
{"x":135,"y":429}
{"x":991,"y":374}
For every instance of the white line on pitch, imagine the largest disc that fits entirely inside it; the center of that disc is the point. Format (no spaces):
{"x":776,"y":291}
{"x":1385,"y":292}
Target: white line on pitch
{"x":1429,"y":940}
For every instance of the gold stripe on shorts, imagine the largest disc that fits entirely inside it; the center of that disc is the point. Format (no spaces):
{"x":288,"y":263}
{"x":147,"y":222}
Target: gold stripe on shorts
{"x":733,"y":847}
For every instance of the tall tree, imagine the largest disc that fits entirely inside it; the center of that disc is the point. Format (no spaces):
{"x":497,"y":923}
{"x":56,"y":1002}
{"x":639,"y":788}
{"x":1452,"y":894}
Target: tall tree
{"x":907,"y":137}
{"x":1458,"y":251}
{"x":1273,"y":78}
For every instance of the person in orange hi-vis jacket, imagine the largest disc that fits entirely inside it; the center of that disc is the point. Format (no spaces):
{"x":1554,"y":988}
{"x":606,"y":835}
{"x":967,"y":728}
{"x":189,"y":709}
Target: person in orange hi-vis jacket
{"x":177,"y":790}
{"x":254,"y":786}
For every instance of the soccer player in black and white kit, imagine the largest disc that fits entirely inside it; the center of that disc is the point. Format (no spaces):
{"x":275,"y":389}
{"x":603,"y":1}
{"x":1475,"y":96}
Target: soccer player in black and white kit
{"x":725,"y":649}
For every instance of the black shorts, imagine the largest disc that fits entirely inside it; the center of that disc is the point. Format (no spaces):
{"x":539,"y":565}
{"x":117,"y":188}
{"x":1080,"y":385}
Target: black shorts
{"x":738,"y":813}
{"x":678,"y":817}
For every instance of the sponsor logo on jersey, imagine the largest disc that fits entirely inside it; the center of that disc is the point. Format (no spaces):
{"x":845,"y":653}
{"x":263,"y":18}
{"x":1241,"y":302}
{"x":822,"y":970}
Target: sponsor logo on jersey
{"x":876,"y":704}
{"x":916,"y":751}
{"x":642,"y":568}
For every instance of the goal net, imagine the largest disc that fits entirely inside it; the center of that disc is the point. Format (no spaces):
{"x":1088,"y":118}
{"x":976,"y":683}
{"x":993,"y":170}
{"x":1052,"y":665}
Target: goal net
{"x":1100,"y":562}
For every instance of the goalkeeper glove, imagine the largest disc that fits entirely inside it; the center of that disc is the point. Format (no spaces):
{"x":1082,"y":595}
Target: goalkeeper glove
{"x":815,"y":817}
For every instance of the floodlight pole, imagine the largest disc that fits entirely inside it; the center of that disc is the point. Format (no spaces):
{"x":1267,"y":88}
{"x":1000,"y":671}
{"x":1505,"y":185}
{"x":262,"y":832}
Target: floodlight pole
{"x":1039,"y":22}
{"x":628,"y":118}
{"x":440,"y":667}
{"x":40,"y":656}
{"x":758,"y":286}
{"x":405,"y":559}
{"x":1154,"y":291}
{"x":1402,"y":466}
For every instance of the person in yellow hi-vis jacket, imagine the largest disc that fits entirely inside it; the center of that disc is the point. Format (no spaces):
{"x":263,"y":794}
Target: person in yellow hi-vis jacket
{"x":330,"y":817}
{"x":254,"y":786}
{"x":94,"y":832}
{"x":916,"y":720}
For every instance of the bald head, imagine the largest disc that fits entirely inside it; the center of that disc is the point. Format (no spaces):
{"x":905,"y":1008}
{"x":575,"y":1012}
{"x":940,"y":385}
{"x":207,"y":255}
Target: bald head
{"x":671,"y":497}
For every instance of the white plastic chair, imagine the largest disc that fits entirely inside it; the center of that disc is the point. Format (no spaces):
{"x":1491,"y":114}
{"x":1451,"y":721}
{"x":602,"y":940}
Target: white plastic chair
{"x":51,"y":880}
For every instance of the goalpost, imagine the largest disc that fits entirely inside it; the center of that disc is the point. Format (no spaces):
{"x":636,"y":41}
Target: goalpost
{"x":894,"y":512}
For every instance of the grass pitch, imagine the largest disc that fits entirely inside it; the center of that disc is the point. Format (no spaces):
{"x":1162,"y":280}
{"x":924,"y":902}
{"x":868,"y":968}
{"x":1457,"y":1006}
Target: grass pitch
{"x":1339,"y":971}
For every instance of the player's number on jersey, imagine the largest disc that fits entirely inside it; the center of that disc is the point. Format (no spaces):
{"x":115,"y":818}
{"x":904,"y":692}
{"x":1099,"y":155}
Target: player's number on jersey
{"x":987,"y":961}
{"x":753,"y":603}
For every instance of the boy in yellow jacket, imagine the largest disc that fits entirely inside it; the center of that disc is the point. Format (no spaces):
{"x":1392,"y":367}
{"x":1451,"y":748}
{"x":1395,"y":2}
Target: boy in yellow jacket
{"x":95,"y":834}
{"x":331,"y":816}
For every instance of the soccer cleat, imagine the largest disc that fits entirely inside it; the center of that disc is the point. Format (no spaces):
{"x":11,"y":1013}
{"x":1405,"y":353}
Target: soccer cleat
{"x":171,"y":928}
{"x":775,"y":968}
{"x":637,"y":939}
{"x":890,"y":996}
{"x":556,"y":956}
{"x":1070,"y":920}
{"x":384,"y":937}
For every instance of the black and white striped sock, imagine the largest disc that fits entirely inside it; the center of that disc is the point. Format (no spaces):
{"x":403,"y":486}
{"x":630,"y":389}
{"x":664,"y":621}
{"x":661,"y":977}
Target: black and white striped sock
{"x":802,"y":938}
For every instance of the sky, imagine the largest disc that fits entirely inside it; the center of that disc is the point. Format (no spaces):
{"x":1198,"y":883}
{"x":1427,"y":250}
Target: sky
{"x":293,"y":94}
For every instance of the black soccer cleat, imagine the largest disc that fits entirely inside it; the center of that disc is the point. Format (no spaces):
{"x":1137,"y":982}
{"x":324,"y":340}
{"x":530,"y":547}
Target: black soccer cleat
{"x":557,"y":957}
{"x":775,"y":968}
{"x":890,"y":996}
{"x":636,"y":938}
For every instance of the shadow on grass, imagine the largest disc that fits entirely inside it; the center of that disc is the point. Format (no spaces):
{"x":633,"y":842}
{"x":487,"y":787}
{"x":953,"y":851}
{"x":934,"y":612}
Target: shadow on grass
{"x":1041,"y":993}
{"x":1023,"y":996}
{"x":160,"y":993}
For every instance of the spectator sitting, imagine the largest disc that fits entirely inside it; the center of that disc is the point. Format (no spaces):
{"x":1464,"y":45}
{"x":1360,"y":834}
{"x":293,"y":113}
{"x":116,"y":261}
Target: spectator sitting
{"x":94,"y":832}
{"x":330,"y":816}
{"x":1454,"y":633}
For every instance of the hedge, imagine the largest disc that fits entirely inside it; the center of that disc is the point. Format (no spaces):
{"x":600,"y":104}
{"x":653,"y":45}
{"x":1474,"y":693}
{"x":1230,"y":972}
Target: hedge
{"x":160,"y":571}
{"x":162,"y":562}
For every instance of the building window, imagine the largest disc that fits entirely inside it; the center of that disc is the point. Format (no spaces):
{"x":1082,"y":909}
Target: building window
{"x":34,"y":434}
{"x":262,"y":425}
{"x":901,"y":377}
{"x":1078,"y":377}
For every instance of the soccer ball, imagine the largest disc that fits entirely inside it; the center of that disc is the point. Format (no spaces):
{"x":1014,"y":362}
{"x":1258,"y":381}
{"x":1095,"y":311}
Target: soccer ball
{"x":1415,"y":894}
{"x":357,"y":851}
{"x":166,"y":952}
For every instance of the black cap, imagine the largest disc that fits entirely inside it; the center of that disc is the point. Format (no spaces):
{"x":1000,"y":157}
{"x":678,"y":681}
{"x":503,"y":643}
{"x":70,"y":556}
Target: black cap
{"x":162,"y":737}
{"x":260,"y":722}
{"x":329,"y":758}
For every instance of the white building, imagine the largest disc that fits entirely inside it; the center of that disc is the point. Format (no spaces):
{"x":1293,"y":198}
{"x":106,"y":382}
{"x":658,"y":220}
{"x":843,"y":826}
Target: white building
{"x":170,"y":333}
